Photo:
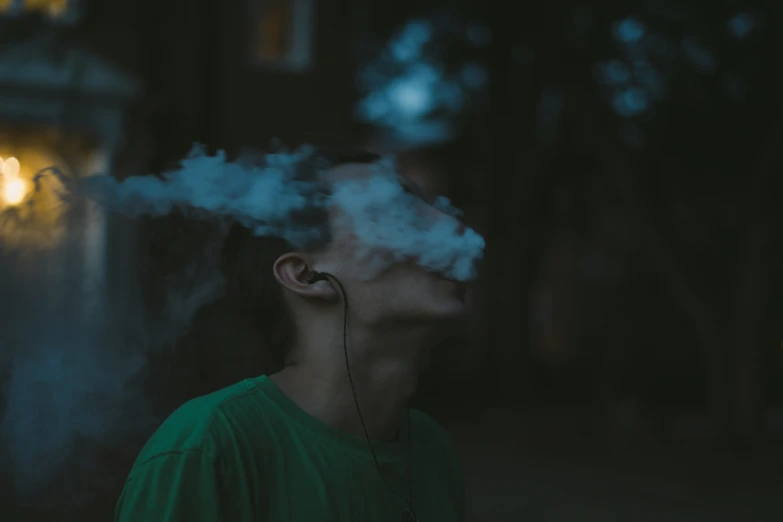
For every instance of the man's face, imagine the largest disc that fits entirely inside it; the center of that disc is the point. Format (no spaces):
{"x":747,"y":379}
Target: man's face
{"x":403,"y":292}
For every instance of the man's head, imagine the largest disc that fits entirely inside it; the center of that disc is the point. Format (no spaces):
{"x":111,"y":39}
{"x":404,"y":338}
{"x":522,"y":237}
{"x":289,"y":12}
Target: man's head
{"x":401,"y":298}
{"x":401,"y":294}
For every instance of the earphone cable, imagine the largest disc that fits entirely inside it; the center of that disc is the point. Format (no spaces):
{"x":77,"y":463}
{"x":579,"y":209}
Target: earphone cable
{"x":408,"y":502}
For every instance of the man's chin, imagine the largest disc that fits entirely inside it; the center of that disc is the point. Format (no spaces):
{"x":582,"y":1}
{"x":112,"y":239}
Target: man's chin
{"x":456,"y":309}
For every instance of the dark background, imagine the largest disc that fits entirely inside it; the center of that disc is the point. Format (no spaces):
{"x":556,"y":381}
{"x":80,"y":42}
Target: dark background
{"x":623,"y":358}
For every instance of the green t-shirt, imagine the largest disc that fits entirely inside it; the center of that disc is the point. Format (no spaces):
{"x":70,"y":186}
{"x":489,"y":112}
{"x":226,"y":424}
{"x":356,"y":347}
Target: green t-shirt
{"x":248,"y":453}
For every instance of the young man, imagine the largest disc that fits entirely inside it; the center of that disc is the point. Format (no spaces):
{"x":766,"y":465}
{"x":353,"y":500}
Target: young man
{"x":330,"y":436}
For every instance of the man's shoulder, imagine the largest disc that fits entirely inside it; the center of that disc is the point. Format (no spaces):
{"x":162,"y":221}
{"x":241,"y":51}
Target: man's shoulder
{"x":192,"y":427}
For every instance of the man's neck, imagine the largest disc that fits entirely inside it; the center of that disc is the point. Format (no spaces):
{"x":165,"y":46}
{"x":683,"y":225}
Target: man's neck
{"x":384,"y":384}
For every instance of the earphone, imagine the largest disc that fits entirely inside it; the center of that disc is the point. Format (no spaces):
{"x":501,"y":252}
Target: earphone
{"x":317,"y":276}
{"x":323,"y":276}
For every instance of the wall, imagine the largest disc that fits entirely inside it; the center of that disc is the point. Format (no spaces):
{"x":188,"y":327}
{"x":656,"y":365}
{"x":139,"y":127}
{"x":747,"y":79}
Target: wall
{"x":203,"y":87}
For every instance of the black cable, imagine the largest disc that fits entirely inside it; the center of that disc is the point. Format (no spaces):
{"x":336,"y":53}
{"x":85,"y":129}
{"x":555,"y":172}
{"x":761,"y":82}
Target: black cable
{"x":411,"y":511}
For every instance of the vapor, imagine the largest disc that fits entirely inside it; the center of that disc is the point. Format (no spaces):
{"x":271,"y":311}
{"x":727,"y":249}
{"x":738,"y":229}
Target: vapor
{"x":391,"y":227}
{"x":424,"y":80}
{"x":266,"y":197}
{"x":67,"y":368}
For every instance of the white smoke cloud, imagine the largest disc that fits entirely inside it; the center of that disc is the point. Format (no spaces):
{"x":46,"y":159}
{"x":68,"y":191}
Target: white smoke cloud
{"x":391,"y":227}
{"x":261,"y":198}
{"x":385,"y":218}
{"x":414,"y":90}
{"x":68,"y":378}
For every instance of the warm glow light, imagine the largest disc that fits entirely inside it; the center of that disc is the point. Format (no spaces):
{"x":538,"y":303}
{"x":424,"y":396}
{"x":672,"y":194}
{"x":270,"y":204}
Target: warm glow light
{"x":30,"y":213}
{"x":14,"y":187}
{"x":11,"y":168}
{"x":57,"y":8}
{"x":14,"y":191}
{"x":52,"y":8}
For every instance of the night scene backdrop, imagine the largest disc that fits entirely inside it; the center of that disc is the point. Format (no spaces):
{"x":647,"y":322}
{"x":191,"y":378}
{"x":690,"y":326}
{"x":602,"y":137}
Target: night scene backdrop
{"x":623,"y":357}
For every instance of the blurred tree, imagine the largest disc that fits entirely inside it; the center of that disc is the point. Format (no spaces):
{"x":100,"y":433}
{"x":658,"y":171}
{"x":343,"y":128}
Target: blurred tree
{"x":674,"y":105}
{"x":697,"y":166}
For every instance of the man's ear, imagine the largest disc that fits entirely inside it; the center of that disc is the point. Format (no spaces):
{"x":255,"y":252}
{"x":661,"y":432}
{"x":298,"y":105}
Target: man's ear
{"x":292,"y":271}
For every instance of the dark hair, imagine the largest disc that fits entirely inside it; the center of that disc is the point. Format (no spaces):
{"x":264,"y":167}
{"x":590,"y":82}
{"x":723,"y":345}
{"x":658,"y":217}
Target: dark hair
{"x":249,"y":330}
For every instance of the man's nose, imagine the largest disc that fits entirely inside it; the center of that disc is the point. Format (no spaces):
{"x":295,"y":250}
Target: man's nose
{"x":461,"y":226}
{"x":440,"y":214}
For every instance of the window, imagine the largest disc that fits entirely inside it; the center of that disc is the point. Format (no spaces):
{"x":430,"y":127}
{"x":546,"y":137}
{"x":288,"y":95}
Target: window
{"x":53,"y":9}
{"x":282,"y":33}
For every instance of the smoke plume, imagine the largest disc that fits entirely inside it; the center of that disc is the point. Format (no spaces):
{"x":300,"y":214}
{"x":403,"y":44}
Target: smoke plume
{"x":72,"y":376}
